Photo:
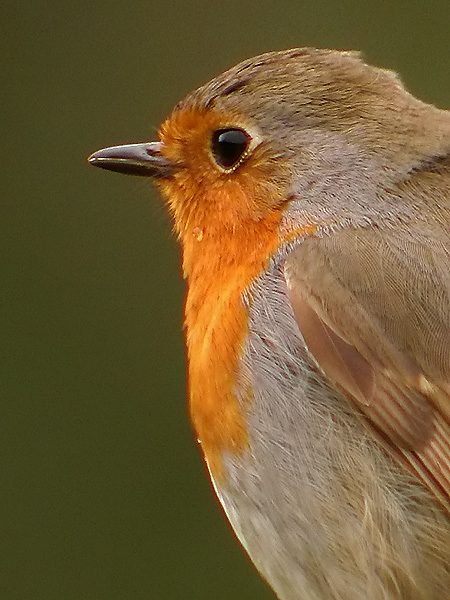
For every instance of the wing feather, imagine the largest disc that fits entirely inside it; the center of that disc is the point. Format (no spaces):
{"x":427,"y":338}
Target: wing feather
{"x":373,"y":308}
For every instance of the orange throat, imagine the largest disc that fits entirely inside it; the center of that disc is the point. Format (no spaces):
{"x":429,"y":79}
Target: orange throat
{"x":218,"y":272}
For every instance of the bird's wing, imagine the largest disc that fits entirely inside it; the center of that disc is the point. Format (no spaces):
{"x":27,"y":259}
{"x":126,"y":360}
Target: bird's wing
{"x":373,"y":308}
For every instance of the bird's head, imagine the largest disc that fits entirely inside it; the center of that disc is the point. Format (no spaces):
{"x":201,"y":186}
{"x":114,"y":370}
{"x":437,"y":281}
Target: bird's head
{"x":315,"y":128}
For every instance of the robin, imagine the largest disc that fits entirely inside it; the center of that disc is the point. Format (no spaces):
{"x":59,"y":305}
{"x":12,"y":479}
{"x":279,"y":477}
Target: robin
{"x":310,"y":193}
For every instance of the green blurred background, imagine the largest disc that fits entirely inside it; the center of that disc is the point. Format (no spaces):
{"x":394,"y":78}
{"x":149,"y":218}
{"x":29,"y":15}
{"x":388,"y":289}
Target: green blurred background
{"x":103,"y":492}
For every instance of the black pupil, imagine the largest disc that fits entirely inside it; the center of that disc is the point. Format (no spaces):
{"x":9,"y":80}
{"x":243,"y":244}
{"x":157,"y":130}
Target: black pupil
{"x":228,"y":145}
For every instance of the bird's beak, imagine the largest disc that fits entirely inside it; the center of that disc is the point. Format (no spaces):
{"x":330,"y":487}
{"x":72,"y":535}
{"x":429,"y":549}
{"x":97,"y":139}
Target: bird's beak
{"x":134,"y":159}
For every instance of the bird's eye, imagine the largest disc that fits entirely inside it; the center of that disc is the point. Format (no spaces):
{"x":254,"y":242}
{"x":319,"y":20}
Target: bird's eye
{"x":229,"y":146}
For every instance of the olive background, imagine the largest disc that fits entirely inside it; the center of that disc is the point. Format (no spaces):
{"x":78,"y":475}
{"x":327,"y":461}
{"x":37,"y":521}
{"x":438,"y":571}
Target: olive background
{"x":103,"y":493}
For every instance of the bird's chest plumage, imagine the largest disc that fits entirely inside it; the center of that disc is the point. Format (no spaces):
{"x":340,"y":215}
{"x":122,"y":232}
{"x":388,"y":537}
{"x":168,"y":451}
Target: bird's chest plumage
{"x":304,"y":495}
{"x":273,"y":494}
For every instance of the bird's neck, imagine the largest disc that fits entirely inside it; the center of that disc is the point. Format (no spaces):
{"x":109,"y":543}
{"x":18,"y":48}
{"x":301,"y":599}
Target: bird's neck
{"x":219,"y":269}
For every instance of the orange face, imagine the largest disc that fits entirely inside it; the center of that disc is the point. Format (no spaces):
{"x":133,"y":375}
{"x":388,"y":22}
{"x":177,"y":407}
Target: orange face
{"x":202,"y":193}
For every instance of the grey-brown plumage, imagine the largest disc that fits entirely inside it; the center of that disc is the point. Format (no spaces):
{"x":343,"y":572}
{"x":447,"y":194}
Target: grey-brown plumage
{"x":370,"y":295}
{"x":318,"y":318}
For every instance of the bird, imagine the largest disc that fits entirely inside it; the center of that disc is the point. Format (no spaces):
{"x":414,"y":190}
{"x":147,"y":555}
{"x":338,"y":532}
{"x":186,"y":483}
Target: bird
{"x":310,"y":193}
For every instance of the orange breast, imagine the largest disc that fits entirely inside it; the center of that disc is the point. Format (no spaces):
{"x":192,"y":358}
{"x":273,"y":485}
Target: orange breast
{"x":216,"y":322}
